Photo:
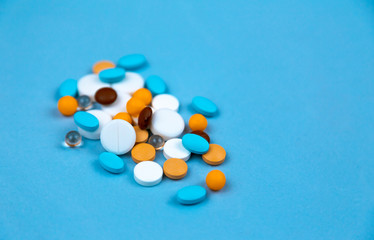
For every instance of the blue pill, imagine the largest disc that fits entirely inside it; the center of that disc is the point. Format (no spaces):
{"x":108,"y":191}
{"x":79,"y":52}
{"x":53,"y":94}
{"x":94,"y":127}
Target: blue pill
{"x":132,"y":61}
{"x":191,"y":195}
{"x":195,"y":144}
{"x":112,"y":75}
{"x":204,"y":106}
{"x":86,"y":121}
{"x":155,"y":84}
{"x":68,"y":88}
{"x":111,"y":162}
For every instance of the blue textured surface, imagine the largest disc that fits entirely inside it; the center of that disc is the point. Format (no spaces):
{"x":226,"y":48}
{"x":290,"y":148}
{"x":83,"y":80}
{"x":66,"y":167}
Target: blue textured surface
{"x":112,"y":75}
{"x":191,"y":194}
{"x":195,"y":143}
{"x":68,"y":87}
{"x":86,"y":121}
{"x":111,"y":162}
{"x":155,"y":84}
{"x":293,"y":81}
{"x":132,"y":61}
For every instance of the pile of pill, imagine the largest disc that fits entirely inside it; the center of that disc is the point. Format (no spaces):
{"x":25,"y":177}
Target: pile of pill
{"x":115,"y":105}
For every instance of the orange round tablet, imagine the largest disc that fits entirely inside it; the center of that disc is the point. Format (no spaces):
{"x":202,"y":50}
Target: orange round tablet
{"x":215,"y":155}
{"x":175,"y":168}
{"x":144,"y":94}
{"x":215,"y":180}
{"x":141,"y":135}
{"x":197,"y":122}
{"x":67,"y":105}
{"x":102,"y":65}
{"x":134,"y":106}
{"x":143,"y":152}
{"x":124,"y":116}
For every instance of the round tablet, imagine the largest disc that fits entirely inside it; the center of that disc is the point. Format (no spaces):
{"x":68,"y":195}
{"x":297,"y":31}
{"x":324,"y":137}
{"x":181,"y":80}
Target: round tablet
{"x":102,"y":65}
{"x":68,"y":88}
{"x":167,"y":123}
{"x":67,"y":105}
{"x":195,"y":144}
{"x":173,"y":148}
{"x":103,"y":118}
{"x":204,"y":106}
{"x":130,"y":84}
{"x":202,"y":134}
{"x":112,"y":75}
{"x":89,"y":84}
{"x":84,"y":102}
{"x":105,"y":96}
{"x":143,"y":152}
{"x":191,"y":195}
{"x":124,"y":116}
{"x":215,"y":155}
{"x":215,"y":180}
{"x":145,"y":117}
{"x":86,"y":121}
{"x":134,"y":106}
{"x":141,"y":135}
{"x":148,"y":173}
{"x":156,"y":141}
{"x":118,"y":137}
{"x":132,"y":61}
{"x":111,"y":162}
{"x":73,"y":138}
{"x":175,"y":168}
{"x":197,"y":122}
{"x":118,"y":106}
{"x":155,"y":84}
{"x":165,"y":101}
{"x":144,"y":94}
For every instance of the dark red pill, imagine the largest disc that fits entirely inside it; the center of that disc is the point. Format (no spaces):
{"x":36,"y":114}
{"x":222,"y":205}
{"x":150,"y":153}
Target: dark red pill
{"x":202,"y":134}
{"x":145,"y":117}
{"x":105,"y":95}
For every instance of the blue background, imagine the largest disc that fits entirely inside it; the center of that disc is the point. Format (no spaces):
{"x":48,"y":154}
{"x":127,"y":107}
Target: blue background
{"x":294,"y":84}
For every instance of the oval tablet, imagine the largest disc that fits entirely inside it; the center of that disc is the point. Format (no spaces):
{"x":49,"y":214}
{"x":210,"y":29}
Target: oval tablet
{"x":195,"y":144}
{"x":173,"y":148}
{"x":155,"y":84}
{"x":132,"y":61}
{"x":204,"y":106}
{"x":118,"y":137}
{"x":112,"y":75}
{"x":89,"y":84}
{"x":148,"y":173}
{"x":175,"y":168}
{"x":130,"y":84}
{"x":167,"y":123}
{"x":143,"y":152}
{"x":145,"y":118}
{"x":105,"y":96}
{"x":68,"y":88}
{"x":165,"y":101}
{"x":111,"y":162}
{"x":103,"y":118}
{"x":86,"y":121}
{"x":215,"y":156}
{"x":191,"y":195}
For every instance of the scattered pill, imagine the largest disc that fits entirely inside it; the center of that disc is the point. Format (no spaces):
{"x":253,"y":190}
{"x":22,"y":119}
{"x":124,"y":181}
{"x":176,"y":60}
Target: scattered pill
{"x":215,"y":180}
{"x":145,"y":118}
{"x":167,"y":123}
{"x":148,"y":173}
{"x":132,"y":61}
{"x":89,"y":84}
{"x":67,"y":105}
{"x":86,"y":121}
{"x":134,"y":106}
{"x":103,"y":118}
{"x":144,"y":94}
{"x":118,"y":106}
{"x":143,"y":152}
{"x":156,"y":141}
{"x":73,"y":138}
{"x":173,"y":148}
{"x":195,"y":144}
{"x":130,"y":84}
{"x":204,"y":106}
{"x":197,"y":122}
{"x":102,"y":65}
{"x":111,"y":162}
{"x":165,"y":101}
{"x":106,"y":96}
{"x":112,"y":75}
{"x":124,"y":116}
{"x":191,"y":195}
{"x":84,"y":102}
{"x":175,"y":168}
{"x":141,"y":135}
{"x":68,"y":88}
{"x":202,"y":134}
{"x":215,"y":156}
{"x":155,"y":84}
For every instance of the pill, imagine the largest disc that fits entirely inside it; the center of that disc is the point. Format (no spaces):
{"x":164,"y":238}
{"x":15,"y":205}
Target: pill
{"x":69,"y":87}
{"x":148,"y":173}
{"x":124,"y":116}
{"x":102,"y":65}
{"x":195,"y":144}
{"x":111,"y":162}
{"x":197,"y":122}
{"x":215,"y":180}
{"x":118,"y":137}
{"x":134,"y":106}
{"x":155,"y":84}
{"x":144,"y":94}
{"x":89,"y":84}
{"x":143,"y":152}
{"x":84,"y":102}
{"x":215,"y":155}
{"x":103,"y":118}
{"x":141,"y":135}
{"x":165,"y":101}
{"x":112,"y":75}
{"x":202,"y":134}
{"x":156,"y":141}
{"x":191,"y":195}
{"x":167,"y":123}
{"x":118,"y":106}
{"x":175,"y":168}
{"x":204,"y":106}
{"x":173,"y":148}
{"x":73,"y":138}
{"x":106,"y":95}
{"x":67,"y":105}
{"x":86,"y":121}
{"x":130,"y":84}
{"x":145,"y":118}
{"x":132,"y":61}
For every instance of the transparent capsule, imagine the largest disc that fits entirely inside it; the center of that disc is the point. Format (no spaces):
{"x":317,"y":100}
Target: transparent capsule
{"x":73,"y":138}
{"x":156,"y":141}
{"x":84,"y":102}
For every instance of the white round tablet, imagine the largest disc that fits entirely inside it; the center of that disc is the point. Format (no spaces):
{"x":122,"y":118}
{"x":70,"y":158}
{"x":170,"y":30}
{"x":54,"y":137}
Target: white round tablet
{"x":130,"y":84}
{"x":89,"y":84}
{"x":173,"y":148}
{"x":167,"y":123}
{"x":148,"y":173}
{"x":118,"y":106}
{"x":165,"y":101}
{"x":103,"y":118}
{"x":118,"y":137}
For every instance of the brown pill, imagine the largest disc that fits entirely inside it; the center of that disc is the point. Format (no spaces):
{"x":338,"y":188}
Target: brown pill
{"x":175,"y":168}
{"x":145,"y":118}
{"x":143,"y":152}
{"x":215,"y":155}
{"x":141,"y":135}
{"x":202,"y":134}
{"x":105,"y":95}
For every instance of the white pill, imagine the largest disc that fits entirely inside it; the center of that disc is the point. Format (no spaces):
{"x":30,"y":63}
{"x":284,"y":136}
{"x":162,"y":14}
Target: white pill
{"x":118,"y":137}
{"x":118,"y":106}
{"x":167,"y":123}
{"x":130,"y":84}
{"x":89,"y":84}
{"x":173,"y":148}
{"x":165,"y":101}
{"x":103,"y":118}
{"x":148,"y":173}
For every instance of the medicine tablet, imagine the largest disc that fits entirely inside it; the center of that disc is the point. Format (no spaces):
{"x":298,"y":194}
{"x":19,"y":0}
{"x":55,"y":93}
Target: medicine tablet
{"x":112,"y":75}
{"x":144,"y":94}
{"x":89,"y":84}
{"x":68,"y":88}
{"x":197,"y":122}
{"x":132,"y":61}
{"x":124,"y":116}
{"x":202,"y":134}
{"x":215,"y":156}
{"x":167,"y":123}
{"x":155,"y":84}
{"x":148,"y":173}
{"x":86,"y":121}
{"x":67,"y":105}
{"x":165,"y":101}
{"x":84,"y":102}
{"x":102,"y":65}
{"x":118,"y":137}
{"x":73,"y":138}
{"x":141,"y":135}
{"x":173,"y":148}
{"x":111,"y":162}
{"x":191,"y":195}
{"x":145,"y":118}
{"x":195,"y":144}
{"x":134,"y":106}
{"x":204,"y":106}
{"x":175,"y":168}
{"x":103,"y":118}
{"x":143,"y":152}
{"x":118,"y":106}
{"x":130,"y":84}
{"x":106,"y":96}
{"x":215,"y":180}
{"x":156,"y":141}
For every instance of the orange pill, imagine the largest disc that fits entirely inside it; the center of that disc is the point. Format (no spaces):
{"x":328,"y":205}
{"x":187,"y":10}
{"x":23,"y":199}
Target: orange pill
{"x":143,"y":152}
{"x":134,"y":106}
{"x":215,"y":155}
{"x":198,"y":122}
{"x":141,"y":135}
{"x":124,"y":116}
{"x":144,"y":94}
{"x":102,"y":65}
{"x":215,"y":180}
{"x":67,"y":105}
{"x":175,"y":168}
